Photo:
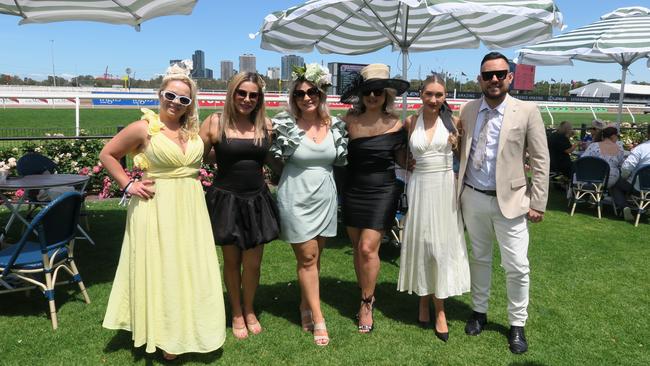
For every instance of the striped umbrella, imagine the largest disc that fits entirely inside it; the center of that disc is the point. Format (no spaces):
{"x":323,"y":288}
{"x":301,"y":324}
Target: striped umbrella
{"x":131,"y":12}
{"x":622,"y":36}
{"x":352,"y":27}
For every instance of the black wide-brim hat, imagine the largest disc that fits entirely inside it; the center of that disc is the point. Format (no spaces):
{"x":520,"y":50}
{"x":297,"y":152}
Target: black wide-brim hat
{"x":373,"y":77}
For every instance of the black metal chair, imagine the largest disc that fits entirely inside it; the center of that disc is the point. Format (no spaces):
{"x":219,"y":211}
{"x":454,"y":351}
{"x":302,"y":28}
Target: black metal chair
{"x":591,"y":175}
{"x":34,"y":163}
{"x":36,"y":262}
{"x":641,"y":192}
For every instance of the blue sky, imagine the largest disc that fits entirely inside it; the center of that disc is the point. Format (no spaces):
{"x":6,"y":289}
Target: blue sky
{"x":221,"y":29}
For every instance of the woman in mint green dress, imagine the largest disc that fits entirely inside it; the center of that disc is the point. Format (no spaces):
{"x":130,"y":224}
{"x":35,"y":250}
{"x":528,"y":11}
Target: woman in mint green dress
{"x":310,"y":143}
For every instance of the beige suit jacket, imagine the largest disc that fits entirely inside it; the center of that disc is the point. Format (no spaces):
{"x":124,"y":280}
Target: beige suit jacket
{"x":522,"y":130}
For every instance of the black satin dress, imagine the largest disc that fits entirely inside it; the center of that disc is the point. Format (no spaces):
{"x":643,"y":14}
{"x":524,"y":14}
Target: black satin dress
{"x":371,"y":191}
{"x":241,"y":208}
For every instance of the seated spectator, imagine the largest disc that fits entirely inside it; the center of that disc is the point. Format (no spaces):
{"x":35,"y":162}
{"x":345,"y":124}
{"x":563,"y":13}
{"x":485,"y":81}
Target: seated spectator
{"x":593,"y":134}
{"x":639,"y":157}
{"x":609,"y":150}
{"x":560,"y":149}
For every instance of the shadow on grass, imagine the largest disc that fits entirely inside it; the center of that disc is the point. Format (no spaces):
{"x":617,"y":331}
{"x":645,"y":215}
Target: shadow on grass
{"x":283,"y":300}
{"x":122,"y":341}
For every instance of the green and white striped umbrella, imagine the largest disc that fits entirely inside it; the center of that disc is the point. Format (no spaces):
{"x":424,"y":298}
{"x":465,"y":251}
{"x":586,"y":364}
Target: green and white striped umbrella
{"x":130,"y":12}
{"x":353,"y":27}
{"x":622,"y":36}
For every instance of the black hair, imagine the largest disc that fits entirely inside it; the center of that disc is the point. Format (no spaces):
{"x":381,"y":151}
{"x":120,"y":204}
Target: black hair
{"x":494,"y":56}
{"x":609,"y":132}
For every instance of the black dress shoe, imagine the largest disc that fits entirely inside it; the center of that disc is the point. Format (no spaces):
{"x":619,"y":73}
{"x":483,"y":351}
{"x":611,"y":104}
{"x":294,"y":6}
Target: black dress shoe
{"x":517,"y":340}
{"x":475,"y":323}
{"x":441,"y":336}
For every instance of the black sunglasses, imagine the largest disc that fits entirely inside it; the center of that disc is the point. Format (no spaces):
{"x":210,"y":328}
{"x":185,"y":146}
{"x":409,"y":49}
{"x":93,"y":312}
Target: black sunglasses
{"x":311,"y":92}
{"x":171,"y":96}
{"x":375,"y":92}
{"x":500,"y":74}
{"x":243,"y":94}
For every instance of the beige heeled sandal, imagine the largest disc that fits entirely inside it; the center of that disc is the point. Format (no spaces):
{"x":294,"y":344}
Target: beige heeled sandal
{"x":306,"y":320}
{"x":321,"y":340}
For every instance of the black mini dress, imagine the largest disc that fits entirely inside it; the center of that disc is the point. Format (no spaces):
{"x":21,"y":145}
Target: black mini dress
{"x":371,"y":191}
{"x":242,"y":210}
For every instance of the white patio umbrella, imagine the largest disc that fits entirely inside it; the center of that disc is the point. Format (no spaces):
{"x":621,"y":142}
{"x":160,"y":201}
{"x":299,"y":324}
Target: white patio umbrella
{"x":622,"y":36}
{"x":352,"y":27}
{"x":130,"y":12}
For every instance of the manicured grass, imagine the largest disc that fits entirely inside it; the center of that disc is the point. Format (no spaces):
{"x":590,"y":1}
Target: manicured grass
{"x":105,"y":121}
{"x":589,"y":299}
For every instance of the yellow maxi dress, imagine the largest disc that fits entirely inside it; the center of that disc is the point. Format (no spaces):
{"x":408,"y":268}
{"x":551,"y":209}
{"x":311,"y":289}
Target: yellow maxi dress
{"x":167,"y":289}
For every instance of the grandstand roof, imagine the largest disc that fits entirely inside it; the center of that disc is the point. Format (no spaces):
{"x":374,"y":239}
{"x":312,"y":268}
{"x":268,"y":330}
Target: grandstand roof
{"x":604,"y":90}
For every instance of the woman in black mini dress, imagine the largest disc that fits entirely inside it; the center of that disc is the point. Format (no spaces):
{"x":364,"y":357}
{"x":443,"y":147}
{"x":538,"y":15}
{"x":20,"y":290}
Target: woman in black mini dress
{"x":242,"y":211}
{"x":371,"y":192}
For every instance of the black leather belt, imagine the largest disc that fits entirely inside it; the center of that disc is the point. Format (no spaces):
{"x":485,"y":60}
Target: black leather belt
{"x":484,"y":191}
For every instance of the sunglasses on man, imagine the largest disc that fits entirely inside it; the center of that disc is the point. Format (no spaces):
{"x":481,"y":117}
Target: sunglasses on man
{"x":243,"y":94}
{"x":375,"y":92}
{"x":171,"y":97}
{"x":500,"y":74}
{"x":311,"y":92}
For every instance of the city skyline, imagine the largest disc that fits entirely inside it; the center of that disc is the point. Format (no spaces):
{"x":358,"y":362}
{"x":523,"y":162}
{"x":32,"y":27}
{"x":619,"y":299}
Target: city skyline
{"x":87,"y":48}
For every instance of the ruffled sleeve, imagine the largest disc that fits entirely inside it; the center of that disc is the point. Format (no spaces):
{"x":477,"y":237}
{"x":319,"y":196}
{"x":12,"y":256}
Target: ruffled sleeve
{"x":140,"y":160}
{"x":286,"y":136}
{"x":340,"y":134}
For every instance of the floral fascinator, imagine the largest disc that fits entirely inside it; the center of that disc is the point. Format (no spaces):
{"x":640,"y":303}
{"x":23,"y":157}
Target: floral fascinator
{"x":183,"y":67}
{"x":314,"y":73}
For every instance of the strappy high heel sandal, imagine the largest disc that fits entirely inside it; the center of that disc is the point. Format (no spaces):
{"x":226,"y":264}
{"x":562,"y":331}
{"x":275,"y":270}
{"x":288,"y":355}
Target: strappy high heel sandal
{"x":321,"y":340}
{"x":306,"y":320}
{"x":369,"y":302}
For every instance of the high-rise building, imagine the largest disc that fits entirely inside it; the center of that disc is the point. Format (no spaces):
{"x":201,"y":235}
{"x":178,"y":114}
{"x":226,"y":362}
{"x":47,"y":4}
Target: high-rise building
{"x":173,"y":62}
{"x":227,"y":70}
{"x":247,"y":63}
{"x":198,"y":60}
{"x":273,"y":73}
{"x":209,"y":74}
{"x":288,"y":62}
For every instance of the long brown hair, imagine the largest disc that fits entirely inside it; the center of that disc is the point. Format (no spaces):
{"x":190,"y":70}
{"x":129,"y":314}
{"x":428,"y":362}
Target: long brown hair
{"x":258,"y":114}
{"x":445,"y":113}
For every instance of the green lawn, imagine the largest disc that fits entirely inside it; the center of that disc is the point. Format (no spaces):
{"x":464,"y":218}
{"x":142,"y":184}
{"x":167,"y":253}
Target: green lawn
{"x":105,"y":121}
{"x":589,"y":299}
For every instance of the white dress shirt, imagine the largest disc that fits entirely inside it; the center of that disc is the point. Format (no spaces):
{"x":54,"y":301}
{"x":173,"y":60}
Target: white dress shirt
{"x":639,"y":157}
{"x":486,"y":177}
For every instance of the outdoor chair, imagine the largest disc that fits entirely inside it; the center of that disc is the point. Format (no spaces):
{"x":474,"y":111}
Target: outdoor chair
{"x":641,"y":196}
{"x":46,"y":247}
{"x":589,"y":182}
{"x":34,"y":163}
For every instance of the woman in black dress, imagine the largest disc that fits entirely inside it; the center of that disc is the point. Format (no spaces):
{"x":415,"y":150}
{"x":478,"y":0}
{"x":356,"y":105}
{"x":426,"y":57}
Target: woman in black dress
{"x":242,"y":211}
{"x":371,"y":191}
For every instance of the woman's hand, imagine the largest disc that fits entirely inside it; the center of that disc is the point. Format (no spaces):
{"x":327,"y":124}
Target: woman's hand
{"x":142,"y":188}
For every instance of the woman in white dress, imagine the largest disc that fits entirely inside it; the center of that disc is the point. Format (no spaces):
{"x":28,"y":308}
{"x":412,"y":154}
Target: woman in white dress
{"x":433,"y":261}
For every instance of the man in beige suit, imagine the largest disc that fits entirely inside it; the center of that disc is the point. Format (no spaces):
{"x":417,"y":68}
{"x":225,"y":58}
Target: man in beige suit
{"x":496,"y":197}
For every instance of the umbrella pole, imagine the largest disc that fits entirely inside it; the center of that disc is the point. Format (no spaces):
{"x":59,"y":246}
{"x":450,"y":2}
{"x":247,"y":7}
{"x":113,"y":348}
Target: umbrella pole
{"x":405,"y":55}
{"x":621,"y":95}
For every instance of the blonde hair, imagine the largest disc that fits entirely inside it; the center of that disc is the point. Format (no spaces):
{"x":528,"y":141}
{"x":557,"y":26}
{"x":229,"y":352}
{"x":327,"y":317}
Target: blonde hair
{"x":388,"y":107}
{"x":445,"y":113}
{"x":190,"y":119}
{"x":258,"y":114}
{"x":323,"y":112}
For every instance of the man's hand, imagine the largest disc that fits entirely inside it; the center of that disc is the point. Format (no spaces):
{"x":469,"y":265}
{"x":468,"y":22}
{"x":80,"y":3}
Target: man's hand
{"x":535,"y":216}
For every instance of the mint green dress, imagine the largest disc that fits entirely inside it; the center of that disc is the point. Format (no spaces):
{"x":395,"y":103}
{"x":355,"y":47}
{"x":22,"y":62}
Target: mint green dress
{"x":307,"y":198}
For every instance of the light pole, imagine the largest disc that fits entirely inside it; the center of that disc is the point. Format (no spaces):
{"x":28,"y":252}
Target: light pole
{"x":52,"y":54}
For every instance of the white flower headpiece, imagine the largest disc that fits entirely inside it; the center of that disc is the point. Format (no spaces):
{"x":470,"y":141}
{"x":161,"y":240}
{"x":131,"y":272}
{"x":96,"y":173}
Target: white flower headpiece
{"x":184,"y":68}
{"x":314,"y":73}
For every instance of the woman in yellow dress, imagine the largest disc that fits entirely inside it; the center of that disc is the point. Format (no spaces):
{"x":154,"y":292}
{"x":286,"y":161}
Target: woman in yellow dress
{"x":167,"y":288}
